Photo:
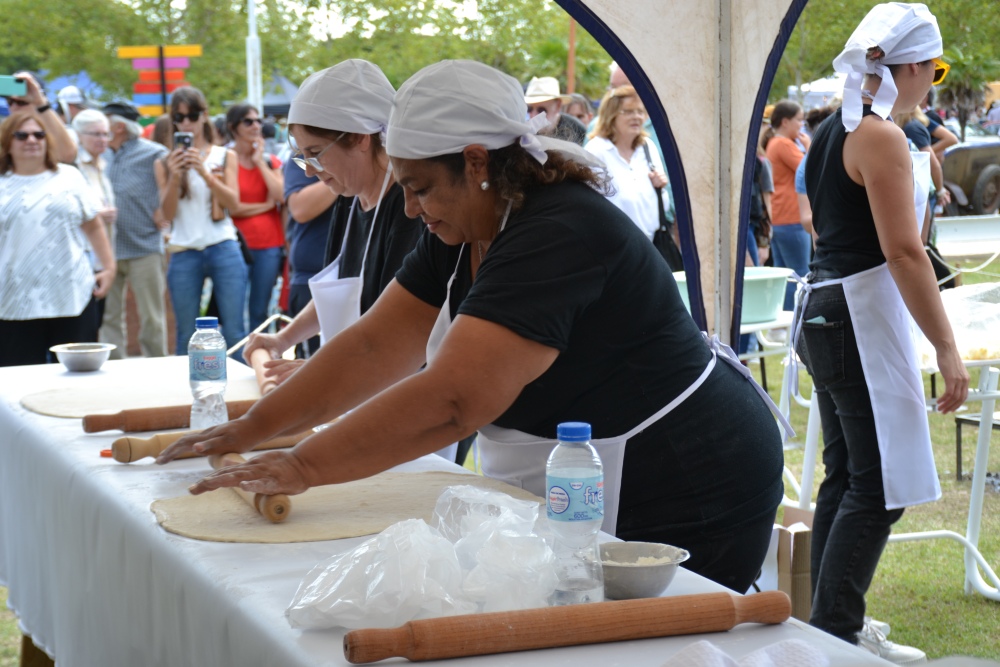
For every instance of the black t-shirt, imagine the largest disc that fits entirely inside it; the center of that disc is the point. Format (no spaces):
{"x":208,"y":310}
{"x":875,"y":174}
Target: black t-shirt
{"x":572,"y":272}
{"x":847,"y":241}
{"x":917,"y":133}
{"x":394,"y":237}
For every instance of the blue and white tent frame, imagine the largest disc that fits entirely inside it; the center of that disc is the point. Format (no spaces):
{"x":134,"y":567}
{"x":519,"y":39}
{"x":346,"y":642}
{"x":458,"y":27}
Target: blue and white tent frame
{"x":703,"y":70}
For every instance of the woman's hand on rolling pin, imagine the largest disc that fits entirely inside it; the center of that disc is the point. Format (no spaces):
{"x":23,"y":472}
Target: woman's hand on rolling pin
{"x":956,"y":379}
{"x":280,"y":370}
{"x":273,"y":343}
{"x":270,"y":473}
{"x":233,"y":436}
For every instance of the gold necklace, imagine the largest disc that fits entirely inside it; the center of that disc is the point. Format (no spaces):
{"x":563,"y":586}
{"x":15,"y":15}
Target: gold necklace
{"x":479,"y":246}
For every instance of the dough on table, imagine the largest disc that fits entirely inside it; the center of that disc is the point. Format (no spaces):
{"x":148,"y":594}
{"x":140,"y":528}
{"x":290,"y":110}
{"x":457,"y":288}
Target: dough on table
{"x":144,"y":383}
{"x":332,"y":512}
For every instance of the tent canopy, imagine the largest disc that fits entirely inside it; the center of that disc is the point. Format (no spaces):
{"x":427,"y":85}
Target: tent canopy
{"x":278,"y":95}
{"x":704,"y":68}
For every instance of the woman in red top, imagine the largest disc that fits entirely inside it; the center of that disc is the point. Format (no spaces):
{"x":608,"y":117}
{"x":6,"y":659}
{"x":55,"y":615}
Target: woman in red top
{"x":790,"y":243}
{"x":258,"y":216}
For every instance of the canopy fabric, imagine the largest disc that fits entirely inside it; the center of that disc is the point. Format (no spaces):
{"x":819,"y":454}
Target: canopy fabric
{"x":703,"y":70}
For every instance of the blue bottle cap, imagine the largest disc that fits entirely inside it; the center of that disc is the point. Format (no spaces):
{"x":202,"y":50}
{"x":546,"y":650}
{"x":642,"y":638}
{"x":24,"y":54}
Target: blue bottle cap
{"x":206,"y":323}
{"x":573,"y":432}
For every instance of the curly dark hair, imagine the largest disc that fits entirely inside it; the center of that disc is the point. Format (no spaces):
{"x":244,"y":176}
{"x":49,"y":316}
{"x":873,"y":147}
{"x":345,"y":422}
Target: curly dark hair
{"x":513,"y":171}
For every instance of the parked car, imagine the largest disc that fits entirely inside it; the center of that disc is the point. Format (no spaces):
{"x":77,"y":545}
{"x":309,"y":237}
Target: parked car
{"x":972,"y":173}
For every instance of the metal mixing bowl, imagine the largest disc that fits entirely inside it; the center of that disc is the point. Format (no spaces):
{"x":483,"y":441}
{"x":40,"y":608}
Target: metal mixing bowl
{"x":639,"y":569}
{"x":81,"y":357}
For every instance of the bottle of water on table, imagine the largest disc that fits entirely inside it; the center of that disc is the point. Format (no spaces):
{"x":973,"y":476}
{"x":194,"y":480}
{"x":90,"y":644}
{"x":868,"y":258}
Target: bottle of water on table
{"x":574,"y":479}
{"x":207,"y":363}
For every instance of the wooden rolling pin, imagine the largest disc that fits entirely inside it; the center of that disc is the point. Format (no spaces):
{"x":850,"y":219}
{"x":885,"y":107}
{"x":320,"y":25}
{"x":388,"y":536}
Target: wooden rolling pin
{"x":154,"y":419}
{"x":274,"y":508}
{"x":257,"y":360}
{"x":130,"y":449}
{"x":570,"y":625}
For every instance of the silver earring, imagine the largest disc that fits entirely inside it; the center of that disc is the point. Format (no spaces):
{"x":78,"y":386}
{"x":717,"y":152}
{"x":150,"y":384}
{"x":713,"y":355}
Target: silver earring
{"x":485,"y":185}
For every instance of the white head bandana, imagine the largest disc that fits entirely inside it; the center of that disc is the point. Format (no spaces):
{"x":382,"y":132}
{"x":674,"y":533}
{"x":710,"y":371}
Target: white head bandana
{"x":453,"y":104}
{"x":352,"y":96}
{"x":906,"y":33}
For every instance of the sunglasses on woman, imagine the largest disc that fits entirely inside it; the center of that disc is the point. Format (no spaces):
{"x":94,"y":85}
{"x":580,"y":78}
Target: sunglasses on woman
{"x":247,"y":122}
{"x":191,"y":116}
{"x":940,"y":70}
{"x":23,"y":136}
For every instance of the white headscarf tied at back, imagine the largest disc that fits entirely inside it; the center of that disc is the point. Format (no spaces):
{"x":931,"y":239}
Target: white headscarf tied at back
{"x":453,"y":104}
{"x":905,"y":33}
{"x":352,"y":96}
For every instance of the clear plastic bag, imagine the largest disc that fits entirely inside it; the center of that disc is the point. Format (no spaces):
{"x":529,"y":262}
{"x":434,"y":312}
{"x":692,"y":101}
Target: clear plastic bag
{"x":482,"y":554}
{"x":506,"y":565}
{"x":406,"y":572}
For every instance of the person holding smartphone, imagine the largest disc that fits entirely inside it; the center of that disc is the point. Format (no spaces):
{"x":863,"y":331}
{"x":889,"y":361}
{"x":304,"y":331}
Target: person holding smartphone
{"x":198,"y":187}
{"x":63,"y":146}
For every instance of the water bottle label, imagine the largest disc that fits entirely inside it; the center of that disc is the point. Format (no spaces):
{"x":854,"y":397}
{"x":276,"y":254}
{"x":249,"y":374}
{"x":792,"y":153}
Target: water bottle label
{"x":207,"y":365}
{"x":575,"y":498}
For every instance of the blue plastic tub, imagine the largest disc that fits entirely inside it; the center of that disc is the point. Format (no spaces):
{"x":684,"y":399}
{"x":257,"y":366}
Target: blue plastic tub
{"x":763,"y":292}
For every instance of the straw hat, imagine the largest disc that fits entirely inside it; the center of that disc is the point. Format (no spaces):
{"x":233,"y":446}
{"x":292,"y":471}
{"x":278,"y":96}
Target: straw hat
{"x":543,"y":89}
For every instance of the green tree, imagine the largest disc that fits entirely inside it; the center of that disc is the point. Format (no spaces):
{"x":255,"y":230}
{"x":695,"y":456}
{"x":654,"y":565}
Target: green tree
{"x":965,"y":87}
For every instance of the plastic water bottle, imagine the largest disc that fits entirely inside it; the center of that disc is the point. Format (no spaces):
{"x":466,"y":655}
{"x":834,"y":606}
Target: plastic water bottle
{"x":207,"y":363}
{"x":574,"y":479}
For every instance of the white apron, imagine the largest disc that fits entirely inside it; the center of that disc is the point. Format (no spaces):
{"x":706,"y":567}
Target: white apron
{"x":885,"y":333}
{"x":519,"y":458}
{"x":338,"y":300}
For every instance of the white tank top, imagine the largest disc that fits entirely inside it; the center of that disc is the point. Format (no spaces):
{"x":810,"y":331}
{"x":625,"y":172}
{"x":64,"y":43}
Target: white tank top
{"x":193,"y":228}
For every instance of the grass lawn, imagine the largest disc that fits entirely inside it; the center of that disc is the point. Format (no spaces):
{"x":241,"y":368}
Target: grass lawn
{"x":918,"y":587}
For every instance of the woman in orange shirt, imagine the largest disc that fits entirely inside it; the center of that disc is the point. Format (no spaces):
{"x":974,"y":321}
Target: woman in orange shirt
{"x":791,"y":243}
{"x":258,"y":217}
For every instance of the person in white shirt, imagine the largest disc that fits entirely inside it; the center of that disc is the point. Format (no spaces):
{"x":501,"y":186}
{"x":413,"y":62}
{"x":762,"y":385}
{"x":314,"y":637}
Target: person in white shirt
{"x":47,"y":286}
{"x":633,"y":163}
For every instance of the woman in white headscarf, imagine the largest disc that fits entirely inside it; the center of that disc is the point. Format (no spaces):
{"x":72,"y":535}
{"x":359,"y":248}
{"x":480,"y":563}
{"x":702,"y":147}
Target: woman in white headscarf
{"x":337,"y":122}
{"x":533,"y":301}
{"x":869,"y":275}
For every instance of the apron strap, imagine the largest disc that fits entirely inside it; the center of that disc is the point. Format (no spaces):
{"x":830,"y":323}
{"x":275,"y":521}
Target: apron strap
{"x":381,"y":194}
{"x":728,"y":355}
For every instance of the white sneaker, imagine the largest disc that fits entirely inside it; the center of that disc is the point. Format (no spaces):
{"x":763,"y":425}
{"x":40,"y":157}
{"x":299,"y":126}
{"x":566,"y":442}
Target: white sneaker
{"x":873,"y":640}
{"x":881,"y":626}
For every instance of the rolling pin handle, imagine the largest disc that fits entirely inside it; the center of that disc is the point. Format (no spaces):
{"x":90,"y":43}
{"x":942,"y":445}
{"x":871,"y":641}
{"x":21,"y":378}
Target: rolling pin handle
{"x":766,"y":607}
{"x":98,"y":423}
{"x":374,"y":644}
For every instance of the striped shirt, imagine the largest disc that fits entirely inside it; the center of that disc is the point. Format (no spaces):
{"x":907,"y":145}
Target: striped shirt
{"x":44,"y":272}
{"x":137,"y":198}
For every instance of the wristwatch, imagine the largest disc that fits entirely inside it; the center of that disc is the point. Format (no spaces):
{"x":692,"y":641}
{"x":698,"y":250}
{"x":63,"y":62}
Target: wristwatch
{"x":43,"y":108}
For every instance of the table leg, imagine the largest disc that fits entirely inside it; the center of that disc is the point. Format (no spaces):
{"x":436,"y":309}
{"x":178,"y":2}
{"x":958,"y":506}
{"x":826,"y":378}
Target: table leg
{"x":973,"y":580}
{"x":32,"y":656}
{"x":809,"y":457}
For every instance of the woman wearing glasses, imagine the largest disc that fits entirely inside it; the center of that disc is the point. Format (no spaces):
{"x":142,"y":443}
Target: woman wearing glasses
{"x":638,"y":184}
{"x":258,"y":214}
{"x":47,"y":286}
{"x":198,"y":187}
{"x":337,"y":122}
{"x":869,"y":275}
{"x":92,"y":128}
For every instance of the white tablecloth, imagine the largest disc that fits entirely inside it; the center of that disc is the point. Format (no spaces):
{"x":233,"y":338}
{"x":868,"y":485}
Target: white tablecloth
{"x":95,"y":581}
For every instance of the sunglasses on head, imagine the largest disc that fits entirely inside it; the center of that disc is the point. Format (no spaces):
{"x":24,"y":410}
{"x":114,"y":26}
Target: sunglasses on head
{"x":191,"y":116}
{"x":23,"y":136}
{"x":251,"y":121}
{"x":940,"y":70}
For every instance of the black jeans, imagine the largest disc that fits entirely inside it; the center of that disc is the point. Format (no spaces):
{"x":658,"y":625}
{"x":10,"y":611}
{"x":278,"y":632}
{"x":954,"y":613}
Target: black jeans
{"x":851,"y":524}
{"x":25,"y":342}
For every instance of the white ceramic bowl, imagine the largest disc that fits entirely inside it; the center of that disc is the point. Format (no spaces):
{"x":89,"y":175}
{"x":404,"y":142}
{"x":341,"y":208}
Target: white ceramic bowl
{"x":82,"y":357}
{"x":639,"y":569}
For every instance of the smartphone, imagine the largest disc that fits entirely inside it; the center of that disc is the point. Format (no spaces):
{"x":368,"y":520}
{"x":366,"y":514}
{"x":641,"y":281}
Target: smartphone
{"x":12,"y":86}
{"x":183,"y":140}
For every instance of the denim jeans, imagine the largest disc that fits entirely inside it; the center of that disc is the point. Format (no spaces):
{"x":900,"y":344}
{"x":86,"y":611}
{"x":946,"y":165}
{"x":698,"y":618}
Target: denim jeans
{"x":263,"y":275}
{"x":791,"y":247}
{"x":299,"y":297}
{"x":851,"y":525}
{"x":223,"y":263}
